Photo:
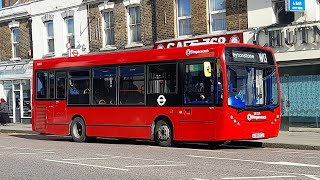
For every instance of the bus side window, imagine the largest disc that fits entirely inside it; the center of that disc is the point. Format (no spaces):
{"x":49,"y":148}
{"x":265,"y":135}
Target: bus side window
{"x":60,"y":85}
{"x":79,"y":87}
{"x":104,"y":86}
{"x":131,"y":90}
{"x":42,"y":84}
{"x":198,"y":89}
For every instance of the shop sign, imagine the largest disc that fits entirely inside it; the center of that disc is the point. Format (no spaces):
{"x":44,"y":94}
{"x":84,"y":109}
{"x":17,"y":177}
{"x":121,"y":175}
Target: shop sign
{"x":226,"y":38}
{"x":288,"y":36}
{"x":296,"y":5}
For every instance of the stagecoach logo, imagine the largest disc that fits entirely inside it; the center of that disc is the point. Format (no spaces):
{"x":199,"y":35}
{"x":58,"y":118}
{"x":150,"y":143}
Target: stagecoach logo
{"x":255,"y":116}
{"x":161,"y":100}
{"x":189,"y":51}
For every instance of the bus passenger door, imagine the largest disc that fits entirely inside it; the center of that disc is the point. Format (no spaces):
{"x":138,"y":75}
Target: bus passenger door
{"x":201,"y":110}
{"x":60,"y":103}
{"x":50,"y":110}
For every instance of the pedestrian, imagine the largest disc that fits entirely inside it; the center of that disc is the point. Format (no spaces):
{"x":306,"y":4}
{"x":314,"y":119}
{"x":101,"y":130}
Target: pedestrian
{"x":4,"y":112}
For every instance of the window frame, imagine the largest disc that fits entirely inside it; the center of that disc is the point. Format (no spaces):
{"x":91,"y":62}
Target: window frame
{"x":15,"y":44}
{"x":68,"y":34}
{"x":216,"y":12}
{"x":130,"y":42}
{"x":48,"y":38}
{"x":183,"y":18}
{"x":105,"y":28}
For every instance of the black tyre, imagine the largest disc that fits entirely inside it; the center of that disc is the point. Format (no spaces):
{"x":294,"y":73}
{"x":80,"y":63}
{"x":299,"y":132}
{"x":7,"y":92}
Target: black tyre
{"x":78,"y":130}
{"x":163,"y":134}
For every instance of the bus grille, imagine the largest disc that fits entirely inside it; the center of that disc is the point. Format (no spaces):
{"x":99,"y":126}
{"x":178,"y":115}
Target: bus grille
{"x":40,"y":117}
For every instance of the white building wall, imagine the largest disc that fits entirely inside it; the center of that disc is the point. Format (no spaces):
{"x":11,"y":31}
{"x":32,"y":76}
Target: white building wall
{"x":260,"y":13}
{"x":56,"y":8}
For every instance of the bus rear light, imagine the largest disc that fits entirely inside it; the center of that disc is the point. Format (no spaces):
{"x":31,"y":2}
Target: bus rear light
{"x":231,"y":117}
{"x":235,"y":121}
{"x":278,"y":116}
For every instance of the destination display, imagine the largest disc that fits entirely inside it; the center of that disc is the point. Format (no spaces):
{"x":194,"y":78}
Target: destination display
{"x":248,"y":55}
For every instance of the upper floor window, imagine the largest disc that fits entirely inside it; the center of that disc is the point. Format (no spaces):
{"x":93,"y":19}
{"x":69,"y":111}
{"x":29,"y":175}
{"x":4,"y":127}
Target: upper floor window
{"x":109,"y":28}
{"x":15,"y":42}
{"x":70,"y":31}
{"x":50,"y":36}
{"x":283,"y":16}
{"x":217,"y":9}
{"x":184,"y":17}
{"x":134,"y":24}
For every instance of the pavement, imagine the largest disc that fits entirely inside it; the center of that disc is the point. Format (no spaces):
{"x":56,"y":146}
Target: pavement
{"x":295,"y":138}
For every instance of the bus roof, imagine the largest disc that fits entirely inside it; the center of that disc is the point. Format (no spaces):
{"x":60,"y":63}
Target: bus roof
{"x":137,"y":56}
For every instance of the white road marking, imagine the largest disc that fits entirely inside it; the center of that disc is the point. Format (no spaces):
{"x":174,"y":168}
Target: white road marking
{"x":144,"y":159}
{"x":156,"y":165}
{"x":311,"y":157}
{"x":199,"y":150}
{"x":89,"y":165}
{"x":293,"y":152}
{"x":6,"y":148}
{"x":32,"y":153}
{"x":260,"y":177}
{"x":79,"y":159}
{"x":263,"y":162}
{"x":281,"y":172}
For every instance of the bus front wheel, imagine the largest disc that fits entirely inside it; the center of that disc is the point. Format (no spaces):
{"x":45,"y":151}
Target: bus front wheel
{"x":163,"y":134}
{"x":78,"y":130}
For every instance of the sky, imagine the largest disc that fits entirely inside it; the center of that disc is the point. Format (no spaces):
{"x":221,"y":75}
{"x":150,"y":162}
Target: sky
{"x":0,"y":4}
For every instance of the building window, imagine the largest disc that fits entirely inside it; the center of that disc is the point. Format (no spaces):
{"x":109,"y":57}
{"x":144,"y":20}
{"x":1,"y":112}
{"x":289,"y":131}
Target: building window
{"x":217,"y":15}
{"x":283,"y":17}
{"x":134,"y":24}
{"x":70,"y":31}
{"x":50,"y":36}
{"x":184,"y":17}
{"x":15,"y":42}
{"x":109,"y":28}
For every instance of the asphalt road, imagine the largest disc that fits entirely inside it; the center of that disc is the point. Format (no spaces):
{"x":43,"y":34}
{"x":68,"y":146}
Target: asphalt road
{"x":51,"y":157}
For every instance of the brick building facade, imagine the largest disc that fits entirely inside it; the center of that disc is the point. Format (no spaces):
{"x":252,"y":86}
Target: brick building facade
{"x":234,"y":14}
{"x":120,"y":14}
{"x":24,"y":39}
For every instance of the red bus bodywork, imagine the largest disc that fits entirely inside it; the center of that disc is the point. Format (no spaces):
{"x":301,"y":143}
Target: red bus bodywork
{"x":189,"y":123}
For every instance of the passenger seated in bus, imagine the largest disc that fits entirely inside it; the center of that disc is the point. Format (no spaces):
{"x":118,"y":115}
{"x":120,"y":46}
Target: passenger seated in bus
{"x":73,"y":90}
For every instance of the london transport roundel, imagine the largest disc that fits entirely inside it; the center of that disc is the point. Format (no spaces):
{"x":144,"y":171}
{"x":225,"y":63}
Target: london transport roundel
{"x":161,"y":100}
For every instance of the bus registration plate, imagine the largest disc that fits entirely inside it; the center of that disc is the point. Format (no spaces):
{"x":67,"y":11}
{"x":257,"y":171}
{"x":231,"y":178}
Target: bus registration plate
{"x":257,"y":135}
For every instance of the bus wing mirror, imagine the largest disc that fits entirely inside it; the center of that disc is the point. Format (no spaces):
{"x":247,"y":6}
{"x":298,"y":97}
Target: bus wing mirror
{"x":207,"y":69}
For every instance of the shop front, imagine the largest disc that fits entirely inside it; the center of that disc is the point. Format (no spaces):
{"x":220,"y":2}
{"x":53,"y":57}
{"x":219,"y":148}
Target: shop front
{"x":15,"y":88}
{"x":297,"y":51}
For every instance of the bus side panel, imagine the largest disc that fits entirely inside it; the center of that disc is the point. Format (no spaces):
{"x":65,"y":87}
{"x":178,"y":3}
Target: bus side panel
{"x":113,"y":121}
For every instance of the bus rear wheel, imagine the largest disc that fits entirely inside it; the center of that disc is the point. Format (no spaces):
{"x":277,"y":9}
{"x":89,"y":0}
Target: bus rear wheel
{"x":163,"y":134}
{"x":78,"y":130}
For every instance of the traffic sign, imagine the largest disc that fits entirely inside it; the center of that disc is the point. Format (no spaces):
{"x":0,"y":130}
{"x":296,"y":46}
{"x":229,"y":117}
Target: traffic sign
{"x":296,"y":5}
{"x":75,"y":52}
